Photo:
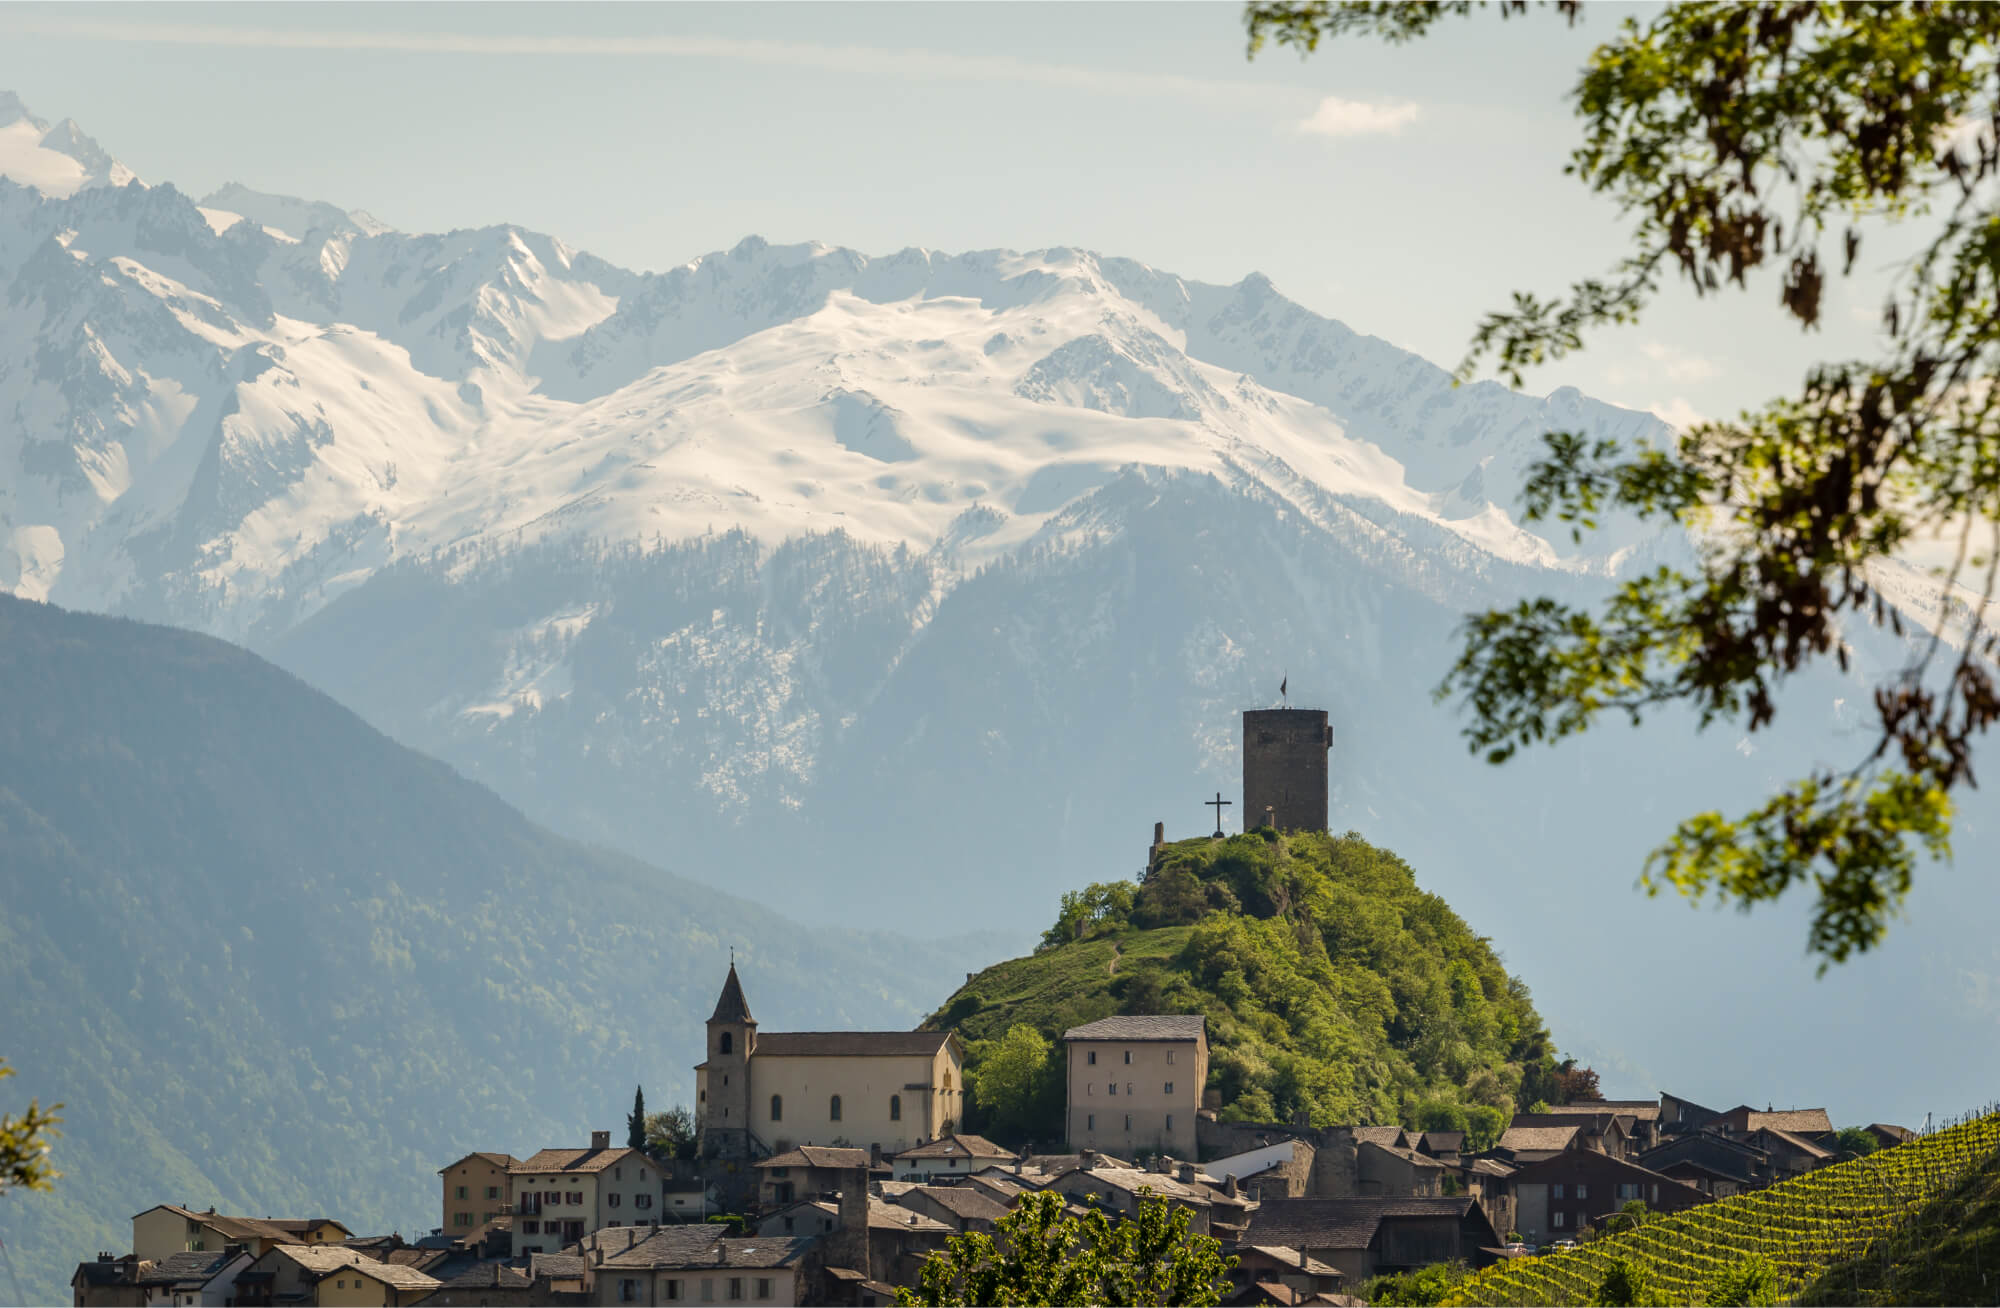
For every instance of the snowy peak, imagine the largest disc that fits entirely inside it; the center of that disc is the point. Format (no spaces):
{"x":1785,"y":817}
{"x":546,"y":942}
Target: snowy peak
{"x":290,"y":216}
{"x":57,"y":161}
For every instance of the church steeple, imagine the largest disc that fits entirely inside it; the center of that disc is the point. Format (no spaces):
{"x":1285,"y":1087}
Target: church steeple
{"x":730,"y":1006}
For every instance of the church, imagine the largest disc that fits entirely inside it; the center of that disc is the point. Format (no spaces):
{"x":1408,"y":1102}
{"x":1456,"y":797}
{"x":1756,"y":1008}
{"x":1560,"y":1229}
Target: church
{"x":763,"y":1093}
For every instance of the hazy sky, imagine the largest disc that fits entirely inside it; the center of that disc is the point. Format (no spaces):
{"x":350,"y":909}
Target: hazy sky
{"x":1402,"y":190}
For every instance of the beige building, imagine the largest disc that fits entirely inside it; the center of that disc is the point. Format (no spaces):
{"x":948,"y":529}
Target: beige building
{"x":694,"y":1265}
{"x":330,"y":1274}
{"x":168,"y":1229}
{"x":561,"y":1195}
{"x":476,"y":1193}
{"x":761,"y":1093}
{"x":1135,"y":1084}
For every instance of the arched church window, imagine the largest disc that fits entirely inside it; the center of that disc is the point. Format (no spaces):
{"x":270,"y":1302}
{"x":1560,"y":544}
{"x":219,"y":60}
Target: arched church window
{"x":833,"y":1109}
{"x":777,"y":1108}
{"x":895,"y":1108}
{"x":728,"y":1043}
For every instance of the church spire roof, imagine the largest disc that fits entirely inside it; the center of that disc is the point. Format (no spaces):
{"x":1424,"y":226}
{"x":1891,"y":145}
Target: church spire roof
{"x":730,"y":1006}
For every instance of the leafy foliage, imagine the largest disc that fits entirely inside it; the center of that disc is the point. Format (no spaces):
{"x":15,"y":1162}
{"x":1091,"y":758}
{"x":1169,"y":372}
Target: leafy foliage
{"x":671,"y":1134}
{"x":1856,"y":1140}
{"x":1042,"y":1256}
{"x":1812,"y":1233}
{"x":24,"y":1144}
{"x":1744,"y":139}
{"x":1333,"y":987}
{"x":1746,"y":1284}
{"x":635,"y":1121}
{"x":1576,"y":1085}
{"x":1018,"y":1084}
{"x":1624,"y":1286}
{"x":1419,"y":1289}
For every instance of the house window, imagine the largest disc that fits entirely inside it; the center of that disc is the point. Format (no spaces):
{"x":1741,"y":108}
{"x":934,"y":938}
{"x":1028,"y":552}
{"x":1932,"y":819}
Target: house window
{"x":1114,"y":1088}
{"x":1090,"y":1057}
{"x":763,"y":1287}
{"x":461,"y":1219}
{"x":1558,"y":1219}
{"x":485,"y":1218}
{"x":613,"y":1200}
{"x":673,"y":1291}
{"x":1170,"y":1058}
{"x":576,"y":1197}
{"x":1128,"y":1058}
{"x":531,"y":1228}
{"x":708,"y":1289}
{"x":617,"y":1173}
{"x":727,"y":1044}
{"x":642,"y":1201}
{"x":895,"y":1108}
{"x":1582,"y":1190}
{"x":833,"y":1109}
{"x":1128,"y":1121}
{"x":777,"y":1108}
{"x":628,"y":1290}
{"x":788,"y":1226}
{"x":1170,"y":1087}
{"x":1170,"y":1121}
{"x":1656,"y":1192}
{"x":1091,"y":1088}
{"x":1128,"y":1087}
{"x":735,"y":1287}
{"x":1090,"y":1121}
{"x":461,"y":1192}
{"x":1556,"y":1190}
{"x":492,"y":1192}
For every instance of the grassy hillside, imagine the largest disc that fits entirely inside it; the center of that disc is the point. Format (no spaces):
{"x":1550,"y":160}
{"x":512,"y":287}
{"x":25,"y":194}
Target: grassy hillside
{"x":270,"y":960}
{"x":1333,"y":985}
{"x":1901,"y":1225}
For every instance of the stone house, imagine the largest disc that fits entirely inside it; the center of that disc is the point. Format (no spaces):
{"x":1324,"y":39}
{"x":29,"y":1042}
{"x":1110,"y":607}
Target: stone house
{"x":1121,"y":1189}
{"x":1810,"y":1124}
{"x":1389,"y":1170}
{"x":807,"y":1172}
{"x":329,"y":1274}
{"x":961,"y":1207}
{"x":1678,"y":1115}
{"x":694,"y":1265}
{"x":560,"y":1195}
{"x":1276,"y":1171}
{"x":1135,"y":1083}
{"x":108,"y":1282}
{"x":167,"y":1229}
{"x":1532,"y":1144}
{"x":1366,"y":1237}
{"x":476,"y":1193}
{"x":371,"y":1284}
{"x":1559,"y":1196}
{"x":1643,"y":1117}
{"x":1605,"y":1132}
{"x":760,"y":1093}
{"x":1714,"y":1164}
{"x":1294,"y":1269}
{"x":489,"y":1283}
{"x":1791,"y":1155}
{"x":951,"y":1155}
{"x":1888,"y":1137}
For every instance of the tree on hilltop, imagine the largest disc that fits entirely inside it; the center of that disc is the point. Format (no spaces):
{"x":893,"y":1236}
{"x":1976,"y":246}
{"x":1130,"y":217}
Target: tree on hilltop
{"x":24,"y":1144}
{"x":635,"y":1121}
{"x":1745,"y":139}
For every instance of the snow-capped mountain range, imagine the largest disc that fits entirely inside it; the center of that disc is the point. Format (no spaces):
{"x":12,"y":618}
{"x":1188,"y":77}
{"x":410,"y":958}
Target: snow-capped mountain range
{"x":905,"y":588}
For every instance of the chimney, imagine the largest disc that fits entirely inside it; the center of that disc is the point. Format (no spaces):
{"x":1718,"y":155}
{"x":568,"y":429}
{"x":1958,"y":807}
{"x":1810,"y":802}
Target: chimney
{"x":1185,"y":1173}
{"x":875,"y":1153}
{"x":1089,"y":1158}
{"x":600,"y":1139}
{"x":104,"y":1256}
{"x":1229,"y":1186}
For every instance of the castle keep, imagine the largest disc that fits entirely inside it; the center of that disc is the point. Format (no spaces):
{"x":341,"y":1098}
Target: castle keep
{"x":1284,"y":768}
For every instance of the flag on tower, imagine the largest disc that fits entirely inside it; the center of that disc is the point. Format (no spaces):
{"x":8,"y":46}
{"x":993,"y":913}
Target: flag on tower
{"x":1284,"y":683}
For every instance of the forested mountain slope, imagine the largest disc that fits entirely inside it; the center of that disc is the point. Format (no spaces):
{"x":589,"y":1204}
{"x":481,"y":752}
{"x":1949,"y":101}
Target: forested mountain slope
{"x":271,"y":960}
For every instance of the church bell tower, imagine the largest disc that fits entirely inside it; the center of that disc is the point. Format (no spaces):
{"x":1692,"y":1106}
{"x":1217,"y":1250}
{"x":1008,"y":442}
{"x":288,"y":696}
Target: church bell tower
{"x":723,"y":1113}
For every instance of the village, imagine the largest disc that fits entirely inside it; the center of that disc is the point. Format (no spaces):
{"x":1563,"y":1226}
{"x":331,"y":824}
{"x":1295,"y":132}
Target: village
{"x":826,"y":1167}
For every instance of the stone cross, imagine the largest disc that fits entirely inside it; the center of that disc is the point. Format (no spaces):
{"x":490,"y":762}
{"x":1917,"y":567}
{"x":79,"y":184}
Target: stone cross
{"x":1218,"y":804}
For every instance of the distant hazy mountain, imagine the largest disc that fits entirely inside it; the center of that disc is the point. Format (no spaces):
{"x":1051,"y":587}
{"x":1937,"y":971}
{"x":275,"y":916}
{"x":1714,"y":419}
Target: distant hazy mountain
{"x":938,"y":577}
{"x":271,"y":960}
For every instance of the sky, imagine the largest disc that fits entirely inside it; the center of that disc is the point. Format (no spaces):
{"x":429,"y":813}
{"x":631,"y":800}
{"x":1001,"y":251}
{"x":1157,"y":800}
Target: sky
{"x":1405,"y":191}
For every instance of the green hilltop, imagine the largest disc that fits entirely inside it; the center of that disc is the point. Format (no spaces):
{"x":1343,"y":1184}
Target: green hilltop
{"x":1335,"y":989}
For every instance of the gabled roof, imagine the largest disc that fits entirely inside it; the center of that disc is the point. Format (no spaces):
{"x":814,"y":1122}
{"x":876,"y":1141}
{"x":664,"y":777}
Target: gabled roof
{"x":1886,"y":1131}
{"x":401,"y":1277}
{"x":824,"y":1156}
{"x":1646,"y":1110}
{"x":850,"y":1044}
{"x":1141,"y":1027}
{"x":1804,"y":1121}
{"x":1797,"y":1142}
{"x":1391,"y":1136}
{"x":501,"y":1161}
{"x":1410,"y":1156}
{"x":1532,"y":1139}
{"x":1342,"y":1223}
{"x":957,"y":1146}
{"x":730,"y":1005}
{"x":187,"y":1268}
{"x":492,"y":1274}
{"x":1053,"y":1164}
{"x":231,"y":1228}
{"x":964,"y":1202}
{"x":1440,"y":1142}
{"x":1294,"y":1258}
{"x":575,"y":1161}
{"x":1132,"y":1181}
{"x":319,"y":1259}
{"x":557,"y":1267}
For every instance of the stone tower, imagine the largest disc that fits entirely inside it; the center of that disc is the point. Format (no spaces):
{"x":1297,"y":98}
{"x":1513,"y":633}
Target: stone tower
{"x":1284,"y":768}
{"x":724,"y":1119}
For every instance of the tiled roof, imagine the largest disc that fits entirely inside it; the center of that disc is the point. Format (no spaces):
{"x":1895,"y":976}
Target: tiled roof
{"x":1340,"y":1223}
{"x":323,"y":1258}
{"x":403,"y":1278}
{"x":1809,"y":1121}
{"x":730,"y":1005}
{"x":574,"y":1161}
{"x":1799,"y":1143}
{"x":1051,"y":1164}
{"x":850,"y":1044}
{"x":1444,"y":1142}
{"x":1381,"y":1135}
{"x":1131,"y":1180}
{"x":995,"y":1183}
{"x":827,"y":1156}
{"x":1531,"y":1139}
{"x":1297,"y":1258}
{"x":1646,"y":1110}
{"x":700,"y":1246}
{"x":198,"y":1268}
{"x":492,"y":1274}
{"x":1889,"y":1132}
{"x":501,"y":1161}
{"x":1161,"y":1027}
{"x":120,"y":1272}
{"x":301,"y":1225}
{"x":964,"y":1202}
{"x":957,"y":1146}
{"x":1410,"y":1156}
{"x":556,"y":1267}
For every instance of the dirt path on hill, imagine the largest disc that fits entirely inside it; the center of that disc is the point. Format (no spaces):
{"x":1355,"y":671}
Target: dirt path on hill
{"x":1117,"y":952}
